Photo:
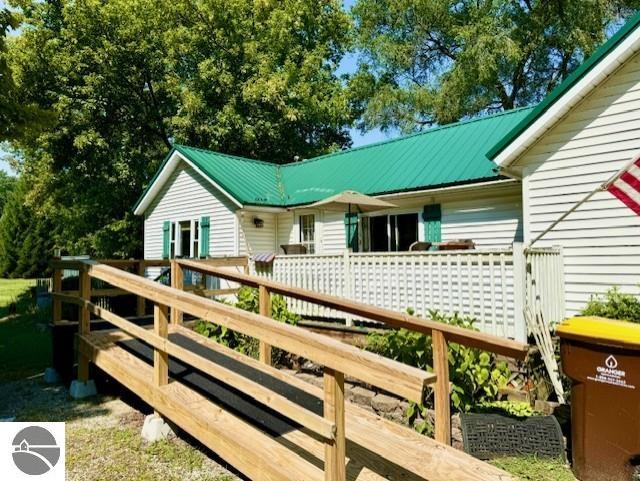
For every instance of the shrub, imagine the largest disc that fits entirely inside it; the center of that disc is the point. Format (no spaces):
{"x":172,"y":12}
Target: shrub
{"x":614,"y":305}
{"x":518,"y":409}
{"x":248,"y":300}
{"x":476,"y":375}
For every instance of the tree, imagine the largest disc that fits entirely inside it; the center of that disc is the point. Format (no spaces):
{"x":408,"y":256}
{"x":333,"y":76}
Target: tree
{"x":123,"y":79}
{"x":15,"y":116}
{"x":437,"y":61}
{"x":7,"y":184}
{"x":8,"y":106}
{"x":26,"y":238}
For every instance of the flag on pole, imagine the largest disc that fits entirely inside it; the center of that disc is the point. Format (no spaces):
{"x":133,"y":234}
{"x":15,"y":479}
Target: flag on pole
{"x":625,"y":185}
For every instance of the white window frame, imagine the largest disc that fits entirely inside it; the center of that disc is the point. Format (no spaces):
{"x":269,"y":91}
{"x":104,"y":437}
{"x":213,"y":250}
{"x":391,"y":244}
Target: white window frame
{"x":175,"y":240}
{"x":313,"y":243}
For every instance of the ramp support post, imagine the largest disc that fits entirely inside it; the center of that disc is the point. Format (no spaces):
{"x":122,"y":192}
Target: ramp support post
{"x":442,"y":391}
{"x":84,"y":318}
{"x":334,"y":450}
{"x":177,"y":282}
{"x":264,"y":300}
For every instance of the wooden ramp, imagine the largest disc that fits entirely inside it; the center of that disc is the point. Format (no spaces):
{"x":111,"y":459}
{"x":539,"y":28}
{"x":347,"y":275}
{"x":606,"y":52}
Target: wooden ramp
{"x":259,"y":441}
{"x":268,"y":424}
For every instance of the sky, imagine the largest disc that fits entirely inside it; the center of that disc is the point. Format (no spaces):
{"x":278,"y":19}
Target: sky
{"x":348,"y":65}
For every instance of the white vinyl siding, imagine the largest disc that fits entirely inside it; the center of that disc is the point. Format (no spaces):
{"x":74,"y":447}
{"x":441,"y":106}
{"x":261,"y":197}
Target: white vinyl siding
{"x":601,"y":239}
{"x":186,"y":195}
{"x":253,"y":239}
{"x":489,"y":223}
{"x":333,"y":233}
{"x":492,"y":219}
{"x":287,"y":230}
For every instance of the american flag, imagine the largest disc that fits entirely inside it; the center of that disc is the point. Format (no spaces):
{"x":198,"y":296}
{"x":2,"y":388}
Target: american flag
{"x":625,"y":185}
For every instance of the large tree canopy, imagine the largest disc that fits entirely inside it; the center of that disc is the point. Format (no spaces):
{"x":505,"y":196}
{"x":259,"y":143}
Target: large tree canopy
{"x":436,"y":61}
{"x":123,"y":79}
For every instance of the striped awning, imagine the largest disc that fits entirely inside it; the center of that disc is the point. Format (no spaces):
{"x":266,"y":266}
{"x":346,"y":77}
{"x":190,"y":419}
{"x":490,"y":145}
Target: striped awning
{"x":264,"y":257}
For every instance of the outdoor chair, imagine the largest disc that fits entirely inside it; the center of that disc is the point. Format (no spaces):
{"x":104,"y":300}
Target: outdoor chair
{"x":420,"y":246}
{"x":292,"y":249}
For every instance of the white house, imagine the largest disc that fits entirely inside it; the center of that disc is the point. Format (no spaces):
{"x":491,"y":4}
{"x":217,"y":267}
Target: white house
{"x":438,"y":178}
{"x":495,"y":180}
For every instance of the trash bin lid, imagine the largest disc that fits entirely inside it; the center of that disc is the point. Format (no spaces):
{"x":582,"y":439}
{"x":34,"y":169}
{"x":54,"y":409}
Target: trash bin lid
{"x":599,"y":330}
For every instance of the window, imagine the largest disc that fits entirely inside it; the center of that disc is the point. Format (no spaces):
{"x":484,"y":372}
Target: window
{"x":308,"y":232}
{"x":406,"y":231}
{"x":196,"y":237}
{"x":365,"y":240}
{"x":185,"y":238}
{"x":182,"y":239}
{"x":390,"y":233}
{"x":379,"y":233}
{"x":172,"y":233}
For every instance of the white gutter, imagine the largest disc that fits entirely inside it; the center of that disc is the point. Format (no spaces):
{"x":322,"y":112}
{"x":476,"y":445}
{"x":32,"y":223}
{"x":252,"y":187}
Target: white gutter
{"x":453,"y":188}
{"x":575,"y":94}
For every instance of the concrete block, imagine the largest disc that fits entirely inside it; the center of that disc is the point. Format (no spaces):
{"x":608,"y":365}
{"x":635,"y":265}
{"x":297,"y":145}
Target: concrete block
{"x":156,"y":429}
{"x":51,"y":376}
{"x":80,"y":390}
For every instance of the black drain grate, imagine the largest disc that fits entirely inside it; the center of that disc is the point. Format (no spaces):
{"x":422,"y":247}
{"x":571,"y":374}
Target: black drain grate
{"x":487,"y":436}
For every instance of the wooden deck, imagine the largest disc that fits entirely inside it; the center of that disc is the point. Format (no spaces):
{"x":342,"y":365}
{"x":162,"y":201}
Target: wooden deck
{"x":268,"y":424}
{"x":258,"y":440}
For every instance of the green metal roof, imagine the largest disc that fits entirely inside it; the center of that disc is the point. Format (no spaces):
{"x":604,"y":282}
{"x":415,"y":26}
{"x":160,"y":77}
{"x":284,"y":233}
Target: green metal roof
{"x":248,"y":181}
{"x":564,"y":86}
{"x":439,"y":157}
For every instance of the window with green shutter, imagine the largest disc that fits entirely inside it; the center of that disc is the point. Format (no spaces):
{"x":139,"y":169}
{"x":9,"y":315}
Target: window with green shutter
{"x":351,"y":230}
{"x":204,"y":236}
{"x":166,"y":239}
{"x":432,"y":217}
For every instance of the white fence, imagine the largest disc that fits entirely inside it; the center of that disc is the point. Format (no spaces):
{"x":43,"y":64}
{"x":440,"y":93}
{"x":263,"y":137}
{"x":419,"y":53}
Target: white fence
{"x":477,"y":283}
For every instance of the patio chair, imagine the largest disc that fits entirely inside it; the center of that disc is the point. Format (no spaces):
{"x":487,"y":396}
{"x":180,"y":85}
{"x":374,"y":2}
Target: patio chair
{"x":420,"y":246}
{"x":292,"y":249}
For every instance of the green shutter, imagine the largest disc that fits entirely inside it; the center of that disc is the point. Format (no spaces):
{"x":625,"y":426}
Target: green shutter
{"x":204,"y":236}
{"x":432,"y":217}
{"x":166,"y":239}
{"x":351,"y":230}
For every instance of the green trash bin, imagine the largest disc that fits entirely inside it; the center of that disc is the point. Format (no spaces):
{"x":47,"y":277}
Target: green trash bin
{"x":602,"y":359}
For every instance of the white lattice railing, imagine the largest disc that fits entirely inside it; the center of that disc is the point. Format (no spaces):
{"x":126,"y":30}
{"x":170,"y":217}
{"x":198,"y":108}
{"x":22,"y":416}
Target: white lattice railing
{"x":477,"y":283}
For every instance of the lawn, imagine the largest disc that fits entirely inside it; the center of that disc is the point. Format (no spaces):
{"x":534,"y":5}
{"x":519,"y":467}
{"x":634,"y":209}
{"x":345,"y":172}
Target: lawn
{"x":12,"y":289}
{"x":25,"y":341}
{"x":103,"y":441}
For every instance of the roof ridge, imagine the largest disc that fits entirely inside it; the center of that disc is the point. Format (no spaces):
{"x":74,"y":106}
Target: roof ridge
{"x":231,"y":156}
{"x":408,"y":136}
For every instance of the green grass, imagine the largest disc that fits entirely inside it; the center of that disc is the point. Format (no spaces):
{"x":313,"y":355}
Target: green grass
{"x":12,"y":289}
{"x":25,"y":341}
{"x":120,"y":454}
{"x":529,"y":468}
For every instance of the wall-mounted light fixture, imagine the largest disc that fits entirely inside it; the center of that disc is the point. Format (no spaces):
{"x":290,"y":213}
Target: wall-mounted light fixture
{"x":258,"y":222}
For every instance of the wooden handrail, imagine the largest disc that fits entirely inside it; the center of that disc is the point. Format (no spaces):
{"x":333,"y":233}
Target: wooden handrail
{"x":441,"y":333}
{"x":403,"y":380}
{"x":467,"y":337}
{"x":393,"y":379}
{"x":279,"y":403}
